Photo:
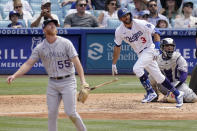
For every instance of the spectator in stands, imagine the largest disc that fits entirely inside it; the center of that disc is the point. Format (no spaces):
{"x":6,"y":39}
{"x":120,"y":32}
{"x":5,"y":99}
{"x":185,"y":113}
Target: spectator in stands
{"x":109,"y":13}
{"x":124,"y":3}
{"x":144,"y":14}
{"x":140,"y":5}
{"x":162,"y":24}
{"x":24,"y":15}
{"x":13,"y":17}
{"x":170,"y":9}
{"x":66,"y":2}
{"x":9,"y":6}
{"x":100,"y":4}
{"x":74,"y":10}
{"x":44,"y":14}
{"x":88,"y":7}
{"x":154,"y":14}
{"x":80,"y":19}
{"x":186,"y":20}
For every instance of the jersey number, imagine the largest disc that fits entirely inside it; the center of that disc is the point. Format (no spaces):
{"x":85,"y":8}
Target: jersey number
{"x":62,"y":64}
{"x":143,"y":39}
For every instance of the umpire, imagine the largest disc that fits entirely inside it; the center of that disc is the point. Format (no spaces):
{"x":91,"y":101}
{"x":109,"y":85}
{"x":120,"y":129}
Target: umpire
{"x":193,"y":81}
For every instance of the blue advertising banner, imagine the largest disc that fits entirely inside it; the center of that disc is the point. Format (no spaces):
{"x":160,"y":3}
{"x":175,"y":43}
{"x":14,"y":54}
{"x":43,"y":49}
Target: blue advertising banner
{"x":95,"y":48}
{"x":16,"y":49}
{"x":100,"y":54}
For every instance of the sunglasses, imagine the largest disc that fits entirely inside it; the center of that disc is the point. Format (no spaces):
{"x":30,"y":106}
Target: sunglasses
{"x":82,"y":5}
{"x":16,"y":7}
{"x":113,"y":4}
{"x":153,"y":5}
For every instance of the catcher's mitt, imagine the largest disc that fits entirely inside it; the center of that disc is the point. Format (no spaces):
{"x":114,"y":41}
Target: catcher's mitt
{"x":169,"y":98}
{"x":83,"y":93}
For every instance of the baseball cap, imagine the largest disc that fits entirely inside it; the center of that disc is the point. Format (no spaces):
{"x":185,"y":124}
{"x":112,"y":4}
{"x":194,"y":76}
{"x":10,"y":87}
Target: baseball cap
{"x":45,"y":2}
{"x":46,"y":22}
{"x":144,"y":12}
{"x":13,"y":13}
{"x":186,"y":3}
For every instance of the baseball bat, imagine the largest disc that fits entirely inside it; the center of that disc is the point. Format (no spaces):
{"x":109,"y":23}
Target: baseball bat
{"x":105,"y":83}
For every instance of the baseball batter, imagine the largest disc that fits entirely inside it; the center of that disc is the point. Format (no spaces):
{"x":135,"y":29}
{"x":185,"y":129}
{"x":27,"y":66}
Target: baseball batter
{"x":59,"y":57}
{"x":175,"y":68}
{"x":138,"y":34}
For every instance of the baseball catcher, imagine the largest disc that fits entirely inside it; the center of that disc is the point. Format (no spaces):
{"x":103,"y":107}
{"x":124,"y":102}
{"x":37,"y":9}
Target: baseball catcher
{"x":175,"y":68}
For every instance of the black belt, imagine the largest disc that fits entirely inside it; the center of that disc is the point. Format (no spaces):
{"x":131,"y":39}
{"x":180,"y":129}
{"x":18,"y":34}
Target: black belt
{"x":59,"y":78}
{"x":142,"y":50}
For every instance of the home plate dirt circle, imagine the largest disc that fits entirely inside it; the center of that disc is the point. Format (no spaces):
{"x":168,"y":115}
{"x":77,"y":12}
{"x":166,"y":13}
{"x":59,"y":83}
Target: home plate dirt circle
{"x":100,"y":106}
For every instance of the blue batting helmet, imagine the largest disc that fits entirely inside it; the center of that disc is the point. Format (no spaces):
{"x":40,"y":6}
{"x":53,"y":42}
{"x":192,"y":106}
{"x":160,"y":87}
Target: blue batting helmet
{"x":122,"y":12}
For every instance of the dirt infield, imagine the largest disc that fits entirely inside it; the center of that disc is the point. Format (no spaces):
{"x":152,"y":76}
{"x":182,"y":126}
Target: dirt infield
{"x":100,"y":106}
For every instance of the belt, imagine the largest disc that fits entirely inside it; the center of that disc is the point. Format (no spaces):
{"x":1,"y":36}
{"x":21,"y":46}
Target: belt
{"x":59,"y":78}
{"x":142,"y":50}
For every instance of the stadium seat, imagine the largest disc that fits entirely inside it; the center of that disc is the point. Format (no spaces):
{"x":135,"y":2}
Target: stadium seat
{"x":130,"y":6}
{"x":97,"y":13}
{"x":4,"y":23}
{"x":55,"y":7}
{"x":35,"y":1}
{"x":113,"y":23}
{"x":3,"y":1}
{"x":5,"y":14}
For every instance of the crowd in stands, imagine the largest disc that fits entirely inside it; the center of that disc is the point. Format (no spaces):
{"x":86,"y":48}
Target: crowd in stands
{"x":97,"y":13}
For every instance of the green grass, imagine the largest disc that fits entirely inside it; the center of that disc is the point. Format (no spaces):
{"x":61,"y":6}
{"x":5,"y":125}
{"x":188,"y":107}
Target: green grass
{"x":37,"y":85}
{"x":126,"y":84}
{"x":40,"y":124}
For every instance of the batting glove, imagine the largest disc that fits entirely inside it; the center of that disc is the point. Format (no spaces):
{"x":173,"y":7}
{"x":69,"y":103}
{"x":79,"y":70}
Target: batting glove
{"x":155,"y":54}
{"x":114,"y":69}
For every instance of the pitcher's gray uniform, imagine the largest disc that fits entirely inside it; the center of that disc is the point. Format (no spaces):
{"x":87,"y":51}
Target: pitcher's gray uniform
{"x":62,"y":82}
{"x":170,"y":68}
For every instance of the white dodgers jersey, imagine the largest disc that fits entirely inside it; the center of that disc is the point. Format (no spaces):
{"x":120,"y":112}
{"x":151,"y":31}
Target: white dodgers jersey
{"x":170,"y":68}
{"x":138,"y":37}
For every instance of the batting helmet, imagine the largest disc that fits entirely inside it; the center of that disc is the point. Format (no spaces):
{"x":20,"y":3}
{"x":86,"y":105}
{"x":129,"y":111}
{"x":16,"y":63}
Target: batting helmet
{"x":122,"y":12}
{"x":167,"y":42}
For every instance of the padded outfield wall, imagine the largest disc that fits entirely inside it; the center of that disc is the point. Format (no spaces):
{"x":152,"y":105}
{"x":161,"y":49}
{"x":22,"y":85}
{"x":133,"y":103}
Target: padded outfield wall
{"x":94,"y":46}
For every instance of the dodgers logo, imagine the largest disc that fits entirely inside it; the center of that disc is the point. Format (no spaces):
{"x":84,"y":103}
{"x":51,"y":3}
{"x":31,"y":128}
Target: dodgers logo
{"x":35,"y":42}
{"x":95,"y":51}
{"x":134,"y":37}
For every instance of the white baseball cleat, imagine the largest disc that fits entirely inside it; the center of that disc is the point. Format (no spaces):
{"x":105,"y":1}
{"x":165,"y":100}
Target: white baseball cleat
{"x":149,"y":97}
{"x":179,"y":99}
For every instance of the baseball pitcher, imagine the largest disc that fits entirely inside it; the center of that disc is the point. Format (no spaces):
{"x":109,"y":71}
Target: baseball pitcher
{"x":59,"y":57}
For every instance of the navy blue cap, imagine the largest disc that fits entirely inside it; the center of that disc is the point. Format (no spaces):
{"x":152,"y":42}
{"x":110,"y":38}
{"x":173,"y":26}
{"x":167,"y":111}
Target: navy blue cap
{"x":13,"y":13}
{"x":46,"y":22}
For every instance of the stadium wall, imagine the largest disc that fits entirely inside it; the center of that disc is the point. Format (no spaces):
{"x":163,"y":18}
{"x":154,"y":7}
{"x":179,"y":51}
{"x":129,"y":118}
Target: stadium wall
{"x":94,"y":46}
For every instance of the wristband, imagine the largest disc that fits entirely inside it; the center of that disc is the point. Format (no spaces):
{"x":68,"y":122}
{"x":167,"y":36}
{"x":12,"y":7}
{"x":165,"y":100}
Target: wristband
{"x":157,"y":44}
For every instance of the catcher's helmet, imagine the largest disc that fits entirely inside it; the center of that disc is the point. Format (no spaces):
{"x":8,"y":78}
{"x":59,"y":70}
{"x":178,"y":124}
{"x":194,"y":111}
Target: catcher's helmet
{"x":167,"y":42}
{"x":123,"y":11}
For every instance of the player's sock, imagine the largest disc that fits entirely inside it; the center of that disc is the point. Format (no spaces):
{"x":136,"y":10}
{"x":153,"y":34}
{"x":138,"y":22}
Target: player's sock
{"x":146,"y":83}
{"x":170,"y":87}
